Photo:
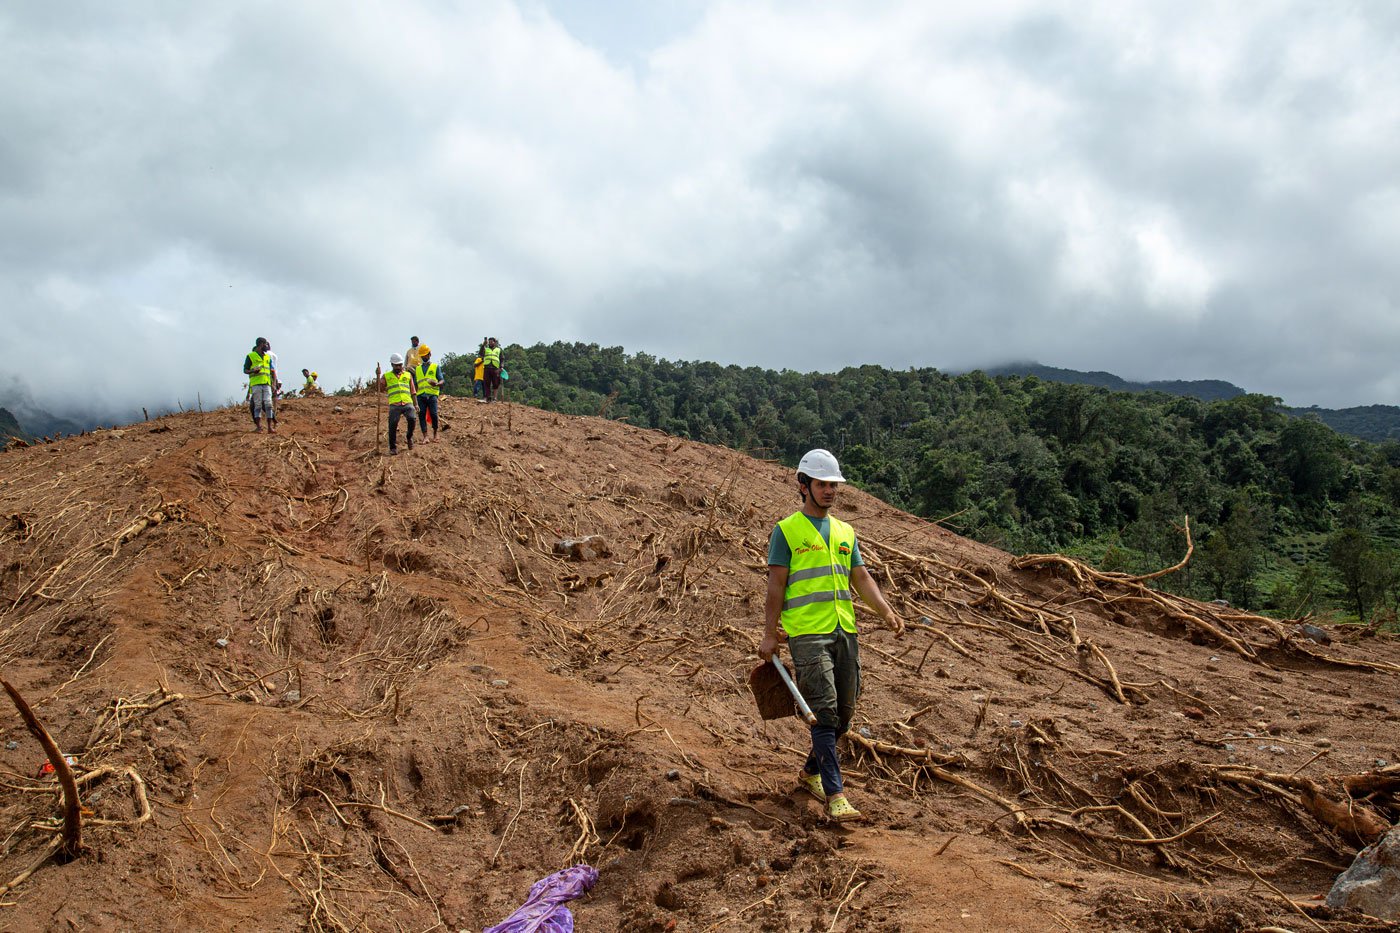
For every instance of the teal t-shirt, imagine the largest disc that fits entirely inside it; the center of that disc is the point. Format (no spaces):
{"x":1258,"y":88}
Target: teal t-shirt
{"x":780,"y":555}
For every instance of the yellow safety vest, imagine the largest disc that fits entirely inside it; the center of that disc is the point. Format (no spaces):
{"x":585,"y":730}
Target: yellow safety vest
{"x":492,"y":356}
{"x":818,"y":594}
{"x":400,"y":388}
{"x":256,"y":378}
{"x":423,"y":375}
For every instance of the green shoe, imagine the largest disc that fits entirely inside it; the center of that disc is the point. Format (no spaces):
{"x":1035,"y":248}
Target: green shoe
{"x":840,"y":809}
{"x":812,"y":784}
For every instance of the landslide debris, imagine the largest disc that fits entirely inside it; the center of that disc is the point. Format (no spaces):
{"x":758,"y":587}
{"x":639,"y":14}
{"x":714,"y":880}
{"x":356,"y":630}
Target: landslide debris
{"x":310,"y":687}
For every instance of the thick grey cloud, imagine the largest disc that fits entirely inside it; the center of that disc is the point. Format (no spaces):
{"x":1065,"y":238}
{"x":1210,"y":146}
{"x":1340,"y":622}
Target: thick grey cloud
{"x":1189,"y":190}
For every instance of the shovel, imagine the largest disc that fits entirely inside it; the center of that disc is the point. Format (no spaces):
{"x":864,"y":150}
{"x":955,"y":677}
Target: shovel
{"x":777,"y":696}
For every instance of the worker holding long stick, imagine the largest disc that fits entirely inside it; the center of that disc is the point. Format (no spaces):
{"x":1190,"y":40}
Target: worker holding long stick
{"x":813,"y":562}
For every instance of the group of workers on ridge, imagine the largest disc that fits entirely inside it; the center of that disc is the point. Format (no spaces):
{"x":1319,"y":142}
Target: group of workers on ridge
{"x":814,"y":559}
{"x":413,"y":386}
{"x":412,"y":391}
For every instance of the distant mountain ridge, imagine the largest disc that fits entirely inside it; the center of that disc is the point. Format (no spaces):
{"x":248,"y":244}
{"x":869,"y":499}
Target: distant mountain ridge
{"x":1375,"y":423}
{"x":10,"y":427}
{"x":1207,"y":390}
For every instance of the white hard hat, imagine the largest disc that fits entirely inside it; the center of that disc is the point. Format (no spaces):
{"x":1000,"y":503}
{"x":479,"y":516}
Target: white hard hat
{"x":820,"y":464}
{"x":395,"y":359}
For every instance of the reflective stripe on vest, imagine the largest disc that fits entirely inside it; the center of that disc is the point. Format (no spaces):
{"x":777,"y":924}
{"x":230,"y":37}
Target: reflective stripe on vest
{"x":400,"y":388}
{"x":423,"y":375}
{"x":492,"y":357}
{"x":818,"y":594}
{"x":259,"y":360}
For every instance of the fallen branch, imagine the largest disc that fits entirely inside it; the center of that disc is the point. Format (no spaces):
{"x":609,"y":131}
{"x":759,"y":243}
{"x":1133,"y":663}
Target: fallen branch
{"x":70,"y":847}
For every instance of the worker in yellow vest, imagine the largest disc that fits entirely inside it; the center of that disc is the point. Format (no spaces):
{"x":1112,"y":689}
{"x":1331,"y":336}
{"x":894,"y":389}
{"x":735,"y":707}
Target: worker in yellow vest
{"x":813,"y":564}
{"x":399,"y":386}
{"x":430,"y":383}
{"x":491,"y":369}
{"x":260,"y":369}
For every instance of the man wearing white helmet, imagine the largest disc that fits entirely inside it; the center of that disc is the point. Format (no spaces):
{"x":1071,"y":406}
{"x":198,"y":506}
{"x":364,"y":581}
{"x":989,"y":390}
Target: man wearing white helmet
{"x":813,"y":563}
{"x":401,"y":390}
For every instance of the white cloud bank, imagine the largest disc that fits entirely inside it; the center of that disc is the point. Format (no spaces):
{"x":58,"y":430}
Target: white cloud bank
{"x":1187,"y":190}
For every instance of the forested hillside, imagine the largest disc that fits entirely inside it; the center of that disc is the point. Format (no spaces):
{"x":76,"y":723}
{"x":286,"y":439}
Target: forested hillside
{"x":1287,"y":515}
{"x":1371,"y":422}
{"x":1208,"y":390}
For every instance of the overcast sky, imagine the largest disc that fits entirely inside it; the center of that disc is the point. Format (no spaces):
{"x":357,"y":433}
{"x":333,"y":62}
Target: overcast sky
{"x":1161,"y":190}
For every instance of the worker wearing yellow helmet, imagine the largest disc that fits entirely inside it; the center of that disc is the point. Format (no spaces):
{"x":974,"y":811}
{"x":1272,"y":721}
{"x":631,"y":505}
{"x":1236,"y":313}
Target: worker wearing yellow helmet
{"x":430,"y":382}
{"x":813,"y":564}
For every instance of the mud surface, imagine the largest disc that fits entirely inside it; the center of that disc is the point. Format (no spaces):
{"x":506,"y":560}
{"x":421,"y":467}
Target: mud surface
{"x":312,"y":687}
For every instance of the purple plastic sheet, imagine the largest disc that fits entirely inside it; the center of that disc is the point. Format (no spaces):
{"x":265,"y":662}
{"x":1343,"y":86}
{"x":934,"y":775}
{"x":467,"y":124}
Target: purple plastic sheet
{"x":544,"y":910}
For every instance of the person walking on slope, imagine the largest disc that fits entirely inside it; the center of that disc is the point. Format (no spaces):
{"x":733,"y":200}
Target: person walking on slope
{"x":491,"y":368}
{"x":258,"y":367}
{"x":399,"y":386}
{"x":813,"y":563}
{"x":479,"y":372}
{"x":426,"y":375}
{"x":411,"y":356}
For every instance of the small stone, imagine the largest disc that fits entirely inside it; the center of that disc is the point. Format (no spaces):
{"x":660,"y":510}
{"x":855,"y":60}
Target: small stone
{"x":539,"y":468}
{"x":673,"y":775}
{"x":1228,"y":747}
{"x":1381,"y":763}
{"x":291,"y":697}
{"x":1295,"y":714}
{"x":338,"y":409}
{"x":11,"y":745}
{"x":1193,"y":712}
{"x":1257,"y":711}
{"x":591,"y":547}
{"x":1323,"y":743}
{"x":500,"y":683}
{"x":865,"y":731}
{"x":1016,"y":724}
{"x":1313,"y":633}
{"x":222,"y":642}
